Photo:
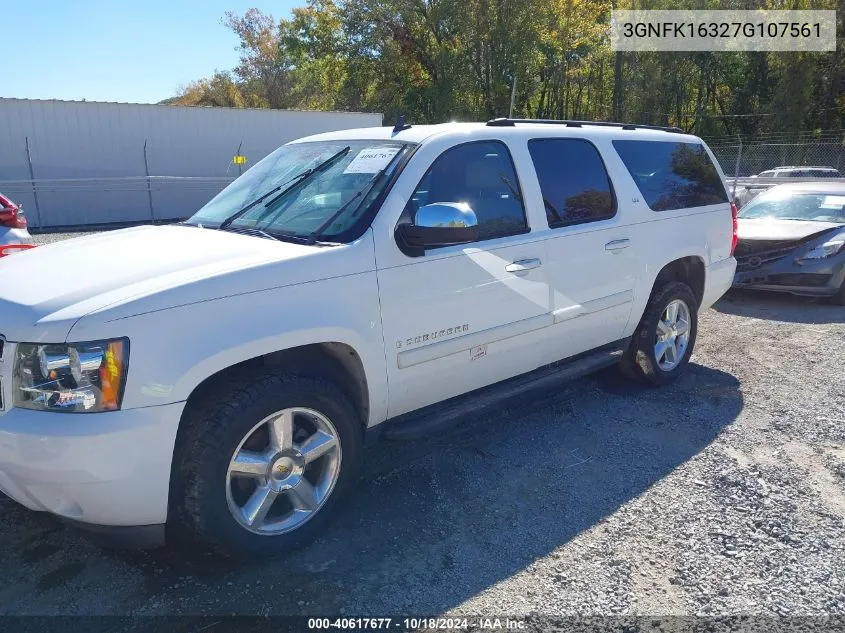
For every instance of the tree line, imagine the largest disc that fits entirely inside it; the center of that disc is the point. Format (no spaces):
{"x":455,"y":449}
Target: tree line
{"x":441,"y":60}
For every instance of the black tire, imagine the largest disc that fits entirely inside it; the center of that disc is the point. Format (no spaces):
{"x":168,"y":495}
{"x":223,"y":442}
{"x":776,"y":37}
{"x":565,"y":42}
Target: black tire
{"x":212,"y":430}
{"x":638,"y":361}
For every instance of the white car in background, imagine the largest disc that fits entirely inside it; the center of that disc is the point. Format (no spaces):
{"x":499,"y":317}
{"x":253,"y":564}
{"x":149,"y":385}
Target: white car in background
{"x":14,"y":236}
{"x":744,"y":194}
{"x":793,"y":171}
{"x":217,"y":380}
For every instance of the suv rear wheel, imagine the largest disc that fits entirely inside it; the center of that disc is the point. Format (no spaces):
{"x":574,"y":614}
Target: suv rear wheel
{"x":663,"y":342}
{"x":260,"y":467}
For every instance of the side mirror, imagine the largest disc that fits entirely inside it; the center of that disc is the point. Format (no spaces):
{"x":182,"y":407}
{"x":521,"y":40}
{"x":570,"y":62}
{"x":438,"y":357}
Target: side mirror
{"x":440,"y":224}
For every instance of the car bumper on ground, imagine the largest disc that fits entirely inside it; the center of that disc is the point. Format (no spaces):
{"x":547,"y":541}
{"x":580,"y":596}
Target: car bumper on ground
{"x":811,"y":278}
{"x":109,"y":472}
{"x":718,"y":278}
{"x":14,"y":241}
{"x":9,"y":237}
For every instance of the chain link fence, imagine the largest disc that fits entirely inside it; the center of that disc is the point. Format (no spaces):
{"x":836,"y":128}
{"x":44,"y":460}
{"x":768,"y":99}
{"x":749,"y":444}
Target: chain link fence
{"x":743,"y":160}
{"x":750,"y":157}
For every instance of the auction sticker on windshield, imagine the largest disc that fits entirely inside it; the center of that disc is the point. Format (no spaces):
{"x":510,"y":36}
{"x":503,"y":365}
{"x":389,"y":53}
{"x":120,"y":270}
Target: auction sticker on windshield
{"x":371,"y":160}
{"x":833,"y":202}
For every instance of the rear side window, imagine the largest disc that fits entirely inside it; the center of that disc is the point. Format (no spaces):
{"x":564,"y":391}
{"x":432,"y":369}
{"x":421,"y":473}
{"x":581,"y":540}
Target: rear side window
{"x":672,"y":175}
{"x":573,"y":180}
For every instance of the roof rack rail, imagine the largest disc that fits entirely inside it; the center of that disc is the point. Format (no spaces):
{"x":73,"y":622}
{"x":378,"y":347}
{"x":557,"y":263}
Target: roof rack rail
{"x":505,"y":122}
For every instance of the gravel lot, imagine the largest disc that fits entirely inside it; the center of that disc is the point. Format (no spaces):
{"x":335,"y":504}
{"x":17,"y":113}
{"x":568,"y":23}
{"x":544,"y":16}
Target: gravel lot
{"x":721,"y":494}
{"x":49,"y":238}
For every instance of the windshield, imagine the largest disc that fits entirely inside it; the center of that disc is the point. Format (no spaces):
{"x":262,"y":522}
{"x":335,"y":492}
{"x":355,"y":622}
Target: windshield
{"x":787,"y":205}
{"x":343,"y":187}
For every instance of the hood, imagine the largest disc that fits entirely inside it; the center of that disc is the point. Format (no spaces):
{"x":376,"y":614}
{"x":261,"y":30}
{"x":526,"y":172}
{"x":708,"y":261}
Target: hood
{"x":45,"y":290}
{"x":772,"y":229}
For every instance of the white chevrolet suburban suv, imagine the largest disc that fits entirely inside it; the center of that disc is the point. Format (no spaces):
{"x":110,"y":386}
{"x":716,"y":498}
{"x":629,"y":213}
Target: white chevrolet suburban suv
{"x":217,"y":380}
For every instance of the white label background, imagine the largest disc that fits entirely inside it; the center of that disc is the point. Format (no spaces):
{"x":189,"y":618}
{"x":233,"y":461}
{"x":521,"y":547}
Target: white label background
{"x":371,"y":160}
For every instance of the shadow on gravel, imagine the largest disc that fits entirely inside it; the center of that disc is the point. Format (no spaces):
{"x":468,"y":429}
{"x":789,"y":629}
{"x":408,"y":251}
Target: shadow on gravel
{"x":779,"y":307}
{"x":432,"y":524}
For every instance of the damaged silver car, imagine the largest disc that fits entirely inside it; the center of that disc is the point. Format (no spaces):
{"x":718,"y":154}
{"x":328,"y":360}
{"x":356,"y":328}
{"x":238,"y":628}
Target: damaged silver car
{"x":792,"y":239}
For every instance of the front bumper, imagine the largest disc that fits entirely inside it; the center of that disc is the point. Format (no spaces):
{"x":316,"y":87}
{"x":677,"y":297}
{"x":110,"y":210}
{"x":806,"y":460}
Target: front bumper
{"x":811,"y":278}
{"x":101,"y":469}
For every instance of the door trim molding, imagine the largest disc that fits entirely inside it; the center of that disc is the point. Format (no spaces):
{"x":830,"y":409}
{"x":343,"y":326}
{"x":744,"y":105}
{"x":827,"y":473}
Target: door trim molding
{"x":433,"y":351}
{"x":593,"y":306}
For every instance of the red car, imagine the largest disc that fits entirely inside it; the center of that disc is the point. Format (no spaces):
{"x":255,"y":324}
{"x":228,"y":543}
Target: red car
{"x":13,"y":234}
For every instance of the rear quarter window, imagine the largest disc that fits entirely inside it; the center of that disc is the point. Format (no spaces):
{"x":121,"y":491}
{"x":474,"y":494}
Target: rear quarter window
{"x":672,"y":175}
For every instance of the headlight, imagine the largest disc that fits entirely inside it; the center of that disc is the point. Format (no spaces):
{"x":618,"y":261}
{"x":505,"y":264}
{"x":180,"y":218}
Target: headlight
{"x":74,"y":378}
{"x":833,"y":246}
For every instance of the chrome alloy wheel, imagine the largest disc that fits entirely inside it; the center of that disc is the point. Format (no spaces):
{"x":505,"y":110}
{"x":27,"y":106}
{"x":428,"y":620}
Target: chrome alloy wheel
{"x":283,"y":471}
{"x":672,"y":337}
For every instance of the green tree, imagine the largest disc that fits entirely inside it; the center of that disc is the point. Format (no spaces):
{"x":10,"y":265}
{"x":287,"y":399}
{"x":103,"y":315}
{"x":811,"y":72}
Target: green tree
{"x":436,"y":60}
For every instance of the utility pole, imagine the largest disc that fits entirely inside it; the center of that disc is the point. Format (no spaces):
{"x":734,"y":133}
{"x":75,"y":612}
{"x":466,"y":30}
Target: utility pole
{"x":617,"y":75}
{"x":513,"y":96}
{"x":736,"y":168}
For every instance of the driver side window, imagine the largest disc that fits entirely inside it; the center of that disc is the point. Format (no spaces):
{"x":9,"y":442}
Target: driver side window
{"x":482,"y":175}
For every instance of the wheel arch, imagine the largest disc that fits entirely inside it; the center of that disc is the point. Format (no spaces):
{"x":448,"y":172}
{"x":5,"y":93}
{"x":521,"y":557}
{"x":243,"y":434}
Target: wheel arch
{"x":690,"y":270}
{"x":337,"y":362}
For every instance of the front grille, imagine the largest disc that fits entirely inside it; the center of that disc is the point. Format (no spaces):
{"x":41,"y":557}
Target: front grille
{"x":752,"y":254}
{"x":809,"y":280}
{"x":746,"y":248}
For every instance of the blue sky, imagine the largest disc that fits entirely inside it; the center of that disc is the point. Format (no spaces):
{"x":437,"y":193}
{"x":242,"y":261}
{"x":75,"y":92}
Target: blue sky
{"x":137,"y":51}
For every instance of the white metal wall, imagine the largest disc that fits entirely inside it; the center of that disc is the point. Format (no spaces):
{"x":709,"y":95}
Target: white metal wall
{"x":88,"y":159}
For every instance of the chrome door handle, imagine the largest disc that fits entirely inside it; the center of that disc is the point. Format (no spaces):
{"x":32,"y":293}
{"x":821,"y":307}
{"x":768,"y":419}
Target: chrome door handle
{"x":617,"y":245}
{"x":521,"y":265}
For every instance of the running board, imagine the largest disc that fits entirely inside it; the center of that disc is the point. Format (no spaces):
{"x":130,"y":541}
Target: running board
{"x":435,"y":418}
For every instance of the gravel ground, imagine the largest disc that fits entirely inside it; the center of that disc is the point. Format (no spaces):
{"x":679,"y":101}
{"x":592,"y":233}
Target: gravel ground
{"x":721,"y":494}
{"x":49,"y":238}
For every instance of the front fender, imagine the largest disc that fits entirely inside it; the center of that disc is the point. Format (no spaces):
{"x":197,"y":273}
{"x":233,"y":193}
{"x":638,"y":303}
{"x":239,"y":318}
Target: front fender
{"x":174,"y":350}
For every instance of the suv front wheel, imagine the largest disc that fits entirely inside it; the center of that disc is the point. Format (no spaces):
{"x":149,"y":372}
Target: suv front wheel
{"x":260,"y":467}
{"x":662,"y":344}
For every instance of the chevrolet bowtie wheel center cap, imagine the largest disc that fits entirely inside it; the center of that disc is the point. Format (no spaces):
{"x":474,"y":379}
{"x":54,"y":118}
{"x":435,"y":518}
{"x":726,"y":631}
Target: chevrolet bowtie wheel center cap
{"x":284,"y":468}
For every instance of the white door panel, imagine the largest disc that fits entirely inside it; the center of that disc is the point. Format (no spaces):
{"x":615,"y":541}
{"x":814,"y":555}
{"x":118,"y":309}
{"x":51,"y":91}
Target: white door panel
{"x":590,"y":282}
{"x":461,"y":317}
{"x":591,"y":252}
{"x":441,"y":315}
